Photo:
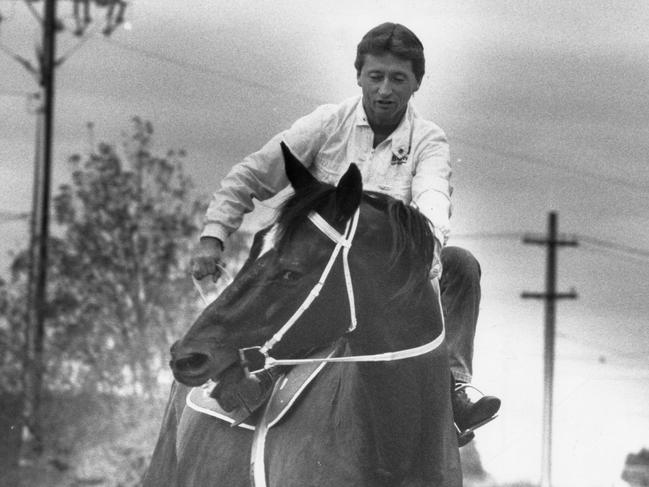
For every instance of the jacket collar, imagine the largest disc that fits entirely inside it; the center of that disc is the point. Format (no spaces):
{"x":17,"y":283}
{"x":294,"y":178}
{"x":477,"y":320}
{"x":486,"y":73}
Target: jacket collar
{"x":400,"y":138}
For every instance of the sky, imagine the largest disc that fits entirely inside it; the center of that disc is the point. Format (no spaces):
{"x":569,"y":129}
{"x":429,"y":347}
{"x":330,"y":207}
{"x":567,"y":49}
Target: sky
{"x":546,"y":109}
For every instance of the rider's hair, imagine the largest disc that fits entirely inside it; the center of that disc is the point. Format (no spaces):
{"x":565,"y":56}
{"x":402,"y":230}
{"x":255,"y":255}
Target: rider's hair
{"x":396,"y":39}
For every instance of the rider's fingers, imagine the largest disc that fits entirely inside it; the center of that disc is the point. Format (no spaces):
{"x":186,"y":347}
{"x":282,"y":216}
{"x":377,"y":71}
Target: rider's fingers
{"x":200,"y":269}
{"x":197,"y":272}
{"x":206,"y":267}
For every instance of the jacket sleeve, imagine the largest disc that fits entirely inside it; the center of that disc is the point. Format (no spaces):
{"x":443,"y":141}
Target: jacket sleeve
{"x":261,"y":175}
{"x":431,"y":187}
{"x":431,"y":184}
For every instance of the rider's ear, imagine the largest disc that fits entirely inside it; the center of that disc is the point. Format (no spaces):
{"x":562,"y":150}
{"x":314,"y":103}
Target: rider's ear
{"x":348,"y":193}
{"x":297,"y":174}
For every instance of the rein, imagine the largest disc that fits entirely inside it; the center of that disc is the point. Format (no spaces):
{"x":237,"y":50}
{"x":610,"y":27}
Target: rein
{"x":204,"y":297}
{"x":260,"y":356}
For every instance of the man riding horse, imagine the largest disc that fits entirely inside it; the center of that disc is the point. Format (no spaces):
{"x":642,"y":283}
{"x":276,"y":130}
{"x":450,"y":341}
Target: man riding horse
{"x":398,"y":153}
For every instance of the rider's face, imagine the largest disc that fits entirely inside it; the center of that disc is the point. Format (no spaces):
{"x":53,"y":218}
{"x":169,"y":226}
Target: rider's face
{"x":387,"y":83}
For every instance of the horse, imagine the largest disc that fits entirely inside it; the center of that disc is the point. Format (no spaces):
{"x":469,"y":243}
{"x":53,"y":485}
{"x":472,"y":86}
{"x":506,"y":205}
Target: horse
{"x":340,"y":267}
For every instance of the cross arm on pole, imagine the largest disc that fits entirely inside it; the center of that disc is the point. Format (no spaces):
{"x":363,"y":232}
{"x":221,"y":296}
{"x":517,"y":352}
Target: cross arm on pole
{"x":572,"y":294}
{"x":538,"y":240}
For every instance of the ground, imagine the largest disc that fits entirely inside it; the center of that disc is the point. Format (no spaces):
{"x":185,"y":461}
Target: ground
{"x":90,"y":440}
{"x":107,"y":441}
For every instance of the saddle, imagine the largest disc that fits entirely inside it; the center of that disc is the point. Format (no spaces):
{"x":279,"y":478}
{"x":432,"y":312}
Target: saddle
{"x":286,"y":386}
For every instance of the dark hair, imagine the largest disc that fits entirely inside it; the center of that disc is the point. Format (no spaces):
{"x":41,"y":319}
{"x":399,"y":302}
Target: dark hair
{"x":396,"y":39}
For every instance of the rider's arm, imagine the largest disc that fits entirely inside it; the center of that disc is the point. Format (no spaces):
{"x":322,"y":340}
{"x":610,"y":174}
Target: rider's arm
{"x":261,"y":175}
{"x":431,"y":187}
{"x":431,"y":183}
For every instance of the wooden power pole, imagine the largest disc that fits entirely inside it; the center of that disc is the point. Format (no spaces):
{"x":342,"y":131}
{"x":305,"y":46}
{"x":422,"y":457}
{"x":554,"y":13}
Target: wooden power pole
{"x":550,"y":296}
{"x":32,"y":435}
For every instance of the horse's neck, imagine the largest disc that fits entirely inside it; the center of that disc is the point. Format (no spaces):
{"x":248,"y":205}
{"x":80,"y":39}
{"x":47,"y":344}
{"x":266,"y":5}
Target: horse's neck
{"x":392,"y":398}
{"x":391,"y":404}
{"x":397,"y":324}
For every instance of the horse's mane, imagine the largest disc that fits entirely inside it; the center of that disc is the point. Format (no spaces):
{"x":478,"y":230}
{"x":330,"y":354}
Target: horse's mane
{"x":412,"y":239}
{"x":411,"y":231}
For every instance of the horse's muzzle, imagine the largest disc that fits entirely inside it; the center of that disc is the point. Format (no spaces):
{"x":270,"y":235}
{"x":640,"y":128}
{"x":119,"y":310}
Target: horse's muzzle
{"x":194,"y":367}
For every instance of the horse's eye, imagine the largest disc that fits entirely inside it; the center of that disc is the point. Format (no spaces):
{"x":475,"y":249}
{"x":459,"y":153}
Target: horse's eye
{"x":289,"y":275}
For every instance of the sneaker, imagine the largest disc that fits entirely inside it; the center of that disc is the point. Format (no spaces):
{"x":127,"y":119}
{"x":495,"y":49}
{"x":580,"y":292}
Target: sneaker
{"x":470,"y":415}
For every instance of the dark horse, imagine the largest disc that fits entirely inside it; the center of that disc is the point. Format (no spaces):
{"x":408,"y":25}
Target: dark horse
{"x":369,"y":423}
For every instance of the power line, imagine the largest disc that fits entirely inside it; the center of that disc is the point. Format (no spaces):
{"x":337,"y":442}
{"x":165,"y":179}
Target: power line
{"x":11,"y":15}
{"x":16,"y":93}
{"x":611,"y":254}
{"x":86,"y":36}
{"x":20,"y":60}
{"x":642,"y":187}
{"x":33,"y":11}
{"x":608,"y":349}
{"x":8,"y":216}
{"x":598,"y":243}
{"x":525,"y":158}
{"x":206,"y":70}
{"x":521,"y":157}
{"x":490,"y":235}
{"x":616,"y":247}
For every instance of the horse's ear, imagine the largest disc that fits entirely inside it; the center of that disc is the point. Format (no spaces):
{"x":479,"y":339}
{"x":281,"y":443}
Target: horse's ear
{"x":349,"y":192}
{"x":297,"y":174}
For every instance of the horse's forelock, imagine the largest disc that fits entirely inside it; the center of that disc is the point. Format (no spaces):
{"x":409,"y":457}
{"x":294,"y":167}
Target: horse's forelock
{"x":297,"y":208}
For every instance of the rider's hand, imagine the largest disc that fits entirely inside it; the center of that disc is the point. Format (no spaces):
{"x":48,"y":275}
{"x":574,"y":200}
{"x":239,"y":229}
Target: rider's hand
{"x":206,"y":257}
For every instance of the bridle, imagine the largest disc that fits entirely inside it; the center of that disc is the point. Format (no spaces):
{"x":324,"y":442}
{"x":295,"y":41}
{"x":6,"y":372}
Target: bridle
{"x":257,"y":358}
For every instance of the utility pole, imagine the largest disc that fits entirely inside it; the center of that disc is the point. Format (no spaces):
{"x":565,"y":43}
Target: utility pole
{"x":32,"y":435}
{"x":550,"y":296}
{"x":33,"y":363}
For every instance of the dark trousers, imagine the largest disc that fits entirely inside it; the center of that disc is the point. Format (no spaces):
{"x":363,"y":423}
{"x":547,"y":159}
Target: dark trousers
{"x":460,"y":294}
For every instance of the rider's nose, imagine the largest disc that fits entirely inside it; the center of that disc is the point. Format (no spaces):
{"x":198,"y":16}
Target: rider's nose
{"x":385,"y":88}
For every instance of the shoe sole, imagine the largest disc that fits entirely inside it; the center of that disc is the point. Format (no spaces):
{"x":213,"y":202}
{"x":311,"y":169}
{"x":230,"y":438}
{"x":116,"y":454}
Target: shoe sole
{"x":475,"y":426}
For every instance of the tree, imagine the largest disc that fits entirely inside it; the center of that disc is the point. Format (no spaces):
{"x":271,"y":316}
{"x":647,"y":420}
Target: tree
{"x":12,"y":315}
{"x":121,"y":289}
{"x":636,"y":469}
{"x":118,"y":286}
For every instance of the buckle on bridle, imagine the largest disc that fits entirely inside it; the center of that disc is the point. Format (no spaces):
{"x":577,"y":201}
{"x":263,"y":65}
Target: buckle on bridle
{"x":253,"y":360}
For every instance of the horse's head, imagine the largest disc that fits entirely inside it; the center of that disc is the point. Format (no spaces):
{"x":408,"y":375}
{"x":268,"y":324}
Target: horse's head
{"x":391,"y":251}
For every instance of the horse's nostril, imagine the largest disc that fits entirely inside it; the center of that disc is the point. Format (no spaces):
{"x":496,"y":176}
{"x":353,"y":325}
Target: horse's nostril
{"x":191,"y":362}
